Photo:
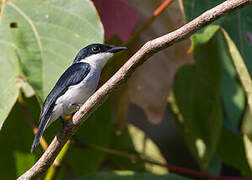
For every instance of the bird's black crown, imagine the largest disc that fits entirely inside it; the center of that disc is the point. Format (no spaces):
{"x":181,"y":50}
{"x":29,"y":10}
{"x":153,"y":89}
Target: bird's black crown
{"x":96,"y":49}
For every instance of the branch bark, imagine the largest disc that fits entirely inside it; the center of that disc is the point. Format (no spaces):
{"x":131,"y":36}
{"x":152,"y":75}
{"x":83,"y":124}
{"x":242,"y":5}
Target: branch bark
{"x":146,"y":51}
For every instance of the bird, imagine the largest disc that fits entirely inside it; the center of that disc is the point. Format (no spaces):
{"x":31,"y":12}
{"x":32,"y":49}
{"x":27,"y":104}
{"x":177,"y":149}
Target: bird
{"x":75,"y":85}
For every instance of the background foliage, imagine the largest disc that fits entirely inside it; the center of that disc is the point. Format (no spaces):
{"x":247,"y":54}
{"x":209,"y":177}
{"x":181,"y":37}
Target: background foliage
{"x":189,"y":105}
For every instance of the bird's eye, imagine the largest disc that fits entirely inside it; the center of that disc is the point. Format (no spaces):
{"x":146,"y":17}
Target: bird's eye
{"x":95,"y":49}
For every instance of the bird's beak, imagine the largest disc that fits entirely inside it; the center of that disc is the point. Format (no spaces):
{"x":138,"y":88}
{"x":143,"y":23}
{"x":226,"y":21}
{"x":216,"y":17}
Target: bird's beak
{"x":116,"y":49}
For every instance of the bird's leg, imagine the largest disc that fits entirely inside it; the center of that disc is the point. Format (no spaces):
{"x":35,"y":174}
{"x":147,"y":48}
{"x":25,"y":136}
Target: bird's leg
{"x":62,"y":121}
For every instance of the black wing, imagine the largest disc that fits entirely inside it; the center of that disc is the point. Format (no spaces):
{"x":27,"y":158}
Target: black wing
{"x":73,"y":75}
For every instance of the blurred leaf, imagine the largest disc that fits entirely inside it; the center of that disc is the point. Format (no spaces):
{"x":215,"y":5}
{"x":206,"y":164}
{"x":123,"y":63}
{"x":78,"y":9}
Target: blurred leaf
{"x":241,"y":68}
{"x":23,"y":160}
{"x":244,"y":76}
{"x":215,"y":166}
{"x":27,"y":89}
{"x":153,"y":80}
{"x":233,"y":153}
{"x":234,"y":102}
{"x":38,"y":40}
{"x":237,"y":25}
{"x":204,"y":35}
{"x":233,"y":96}
{"x":114,"y":14}
{"x":9,"y":88}
{"x":9,"y":80}
{"x":134,"y":141}
{"x":123,"y":142}
{"x":52,"y":171}
{"x":248,"y":148}
{"x":96,"y":130}
{"x":147,"y":148}
{"x":231,"y":150}
{"x":15,"y":141}
{"x":247,"y":124}
{"x":130,"y":175}
{"x":197,"y":91}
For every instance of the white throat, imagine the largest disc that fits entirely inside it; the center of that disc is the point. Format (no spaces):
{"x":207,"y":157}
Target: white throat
{"x":98,"y":60}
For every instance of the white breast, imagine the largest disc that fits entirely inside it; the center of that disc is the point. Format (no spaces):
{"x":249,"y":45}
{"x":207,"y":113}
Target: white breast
{"x":79,"y":93}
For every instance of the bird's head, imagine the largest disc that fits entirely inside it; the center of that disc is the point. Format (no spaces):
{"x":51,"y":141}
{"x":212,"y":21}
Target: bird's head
{"x":97,"y":54}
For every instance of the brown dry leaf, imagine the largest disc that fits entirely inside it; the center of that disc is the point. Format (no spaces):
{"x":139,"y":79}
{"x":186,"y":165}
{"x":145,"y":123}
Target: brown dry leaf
{"x":150,"y":85}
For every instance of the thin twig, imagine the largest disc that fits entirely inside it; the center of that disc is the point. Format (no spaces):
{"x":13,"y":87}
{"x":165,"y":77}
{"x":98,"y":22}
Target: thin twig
{"x":146,"y":51}
{"x":133,"y":157}
{"x":161,"y":7}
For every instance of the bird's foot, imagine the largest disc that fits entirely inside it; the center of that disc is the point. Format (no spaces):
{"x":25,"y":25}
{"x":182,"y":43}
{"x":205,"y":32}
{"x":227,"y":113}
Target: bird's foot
{"x":77,"y":106}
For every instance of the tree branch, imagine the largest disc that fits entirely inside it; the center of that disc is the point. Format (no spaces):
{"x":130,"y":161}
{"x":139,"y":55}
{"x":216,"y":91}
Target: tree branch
{"x":146,"y":51}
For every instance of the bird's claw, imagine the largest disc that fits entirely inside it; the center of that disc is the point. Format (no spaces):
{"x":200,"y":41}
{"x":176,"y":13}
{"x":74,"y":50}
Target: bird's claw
{"x":76,"y":105}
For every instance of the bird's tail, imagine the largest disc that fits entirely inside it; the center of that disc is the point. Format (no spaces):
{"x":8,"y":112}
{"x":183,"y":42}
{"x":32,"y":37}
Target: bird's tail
{"x":42,"y":126}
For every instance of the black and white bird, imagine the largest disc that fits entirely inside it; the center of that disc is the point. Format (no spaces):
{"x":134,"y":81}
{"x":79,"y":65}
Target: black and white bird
{"x":75,"y":85}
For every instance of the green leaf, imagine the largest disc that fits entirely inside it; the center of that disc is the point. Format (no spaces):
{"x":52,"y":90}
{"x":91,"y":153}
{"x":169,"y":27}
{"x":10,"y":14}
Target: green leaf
{"x":236,"y":25}
{"x":27,"y":89}
{"x":148,"y":149}
{"x":123,"y":142}
{"x":234,"y":101}
{"x":233,"y":153}
{"x":51,"y":171}
{"x":235,"y":54}
{"x":232,"y":93}
{"x":197,"y":90}
{"x":23,"y":160}
{"x":245,"y":78}
{"x":134,"y":141}
{"x":9,"y":81}
{"x":130,"y":175}
{"x":16,"y":139}
{"x":231,"y":150}
{"x":38,"y":40}
{"x":204,"y":35}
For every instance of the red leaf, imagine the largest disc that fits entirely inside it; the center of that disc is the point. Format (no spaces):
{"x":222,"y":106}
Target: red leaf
{"x":118,"y":18}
